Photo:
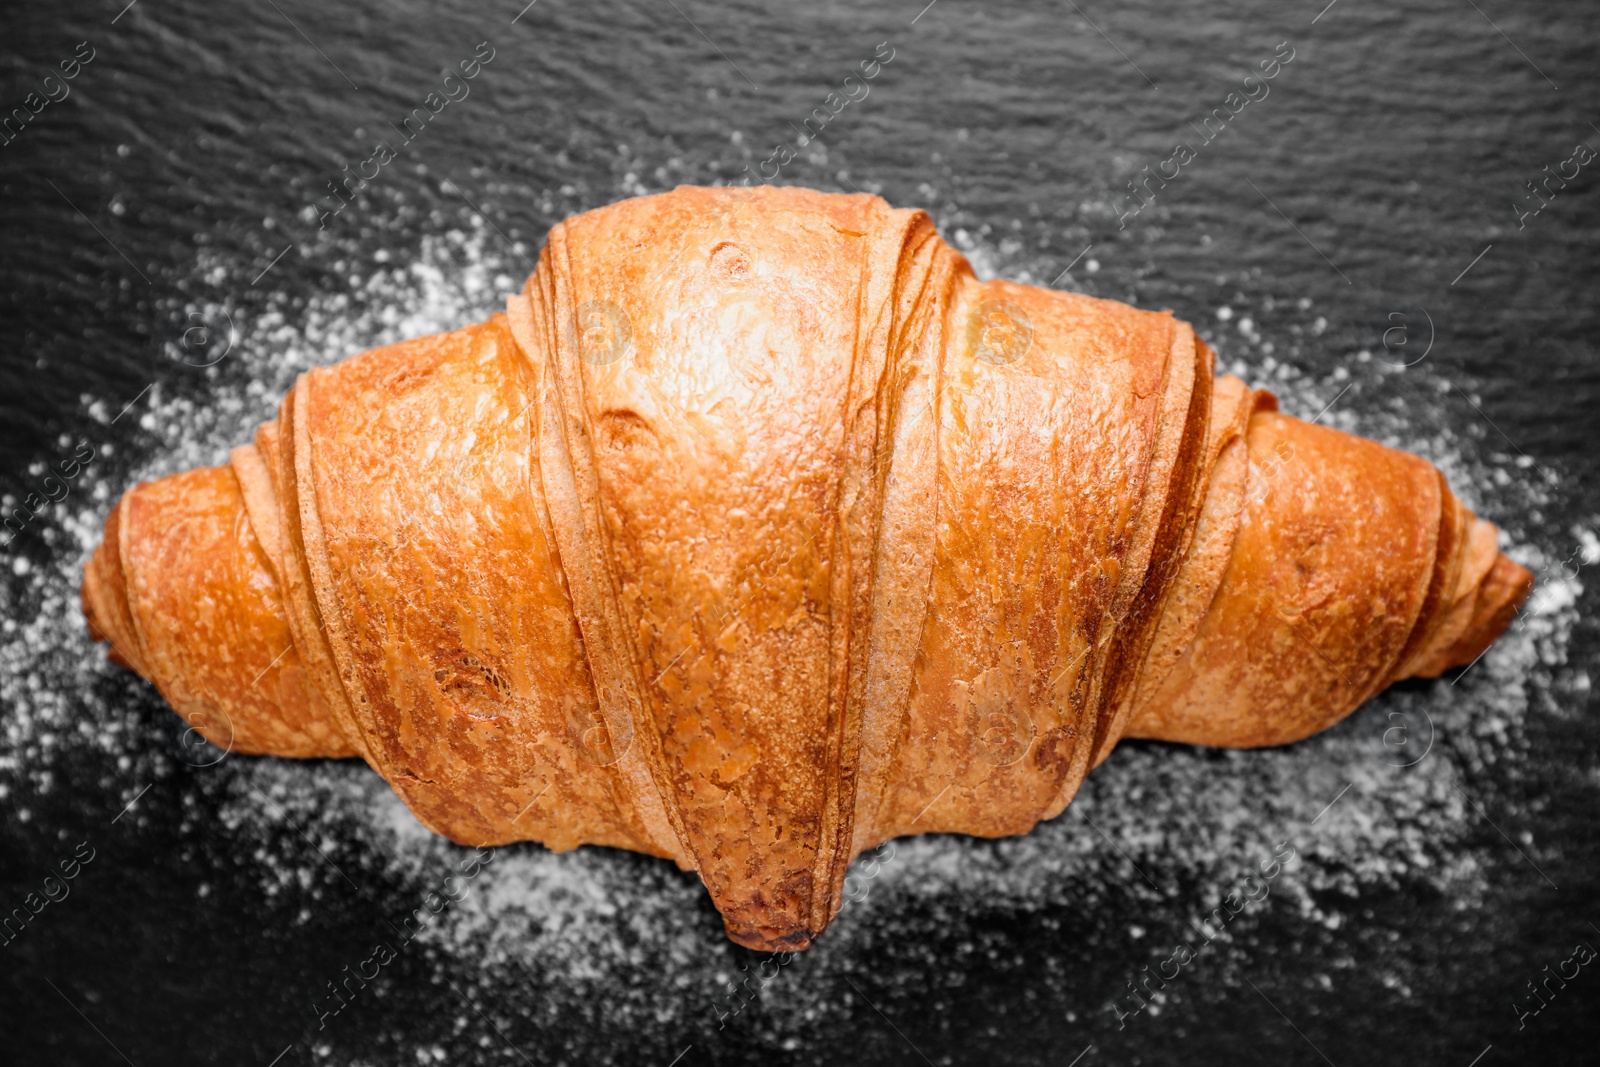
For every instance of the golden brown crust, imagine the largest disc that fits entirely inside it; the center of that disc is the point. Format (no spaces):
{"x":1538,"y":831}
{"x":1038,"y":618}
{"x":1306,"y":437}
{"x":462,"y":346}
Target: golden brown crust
{"x":105,"y":598}
{"x":183,"y":584}
{"x":1339,"y":564}
{"x":1495,"y":601}
{"x":1206,"y":554}
{"x":758,"y":530}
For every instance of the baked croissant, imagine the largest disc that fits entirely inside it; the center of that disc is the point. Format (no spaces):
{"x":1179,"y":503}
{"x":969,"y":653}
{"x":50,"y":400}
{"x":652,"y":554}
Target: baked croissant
{"x":757,"y":531}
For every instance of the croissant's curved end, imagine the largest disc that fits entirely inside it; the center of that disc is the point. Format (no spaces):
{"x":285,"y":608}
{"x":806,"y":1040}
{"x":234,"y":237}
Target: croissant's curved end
{"x":1353,"y":567}
{"x":182,"y":591}
{"x":1487,"y":595}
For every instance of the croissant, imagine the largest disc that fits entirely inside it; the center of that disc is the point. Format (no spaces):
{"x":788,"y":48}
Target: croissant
{"x":756,"y":531}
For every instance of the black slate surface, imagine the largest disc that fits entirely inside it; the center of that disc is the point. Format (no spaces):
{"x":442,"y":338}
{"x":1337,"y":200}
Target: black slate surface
{"x":164,"y":277}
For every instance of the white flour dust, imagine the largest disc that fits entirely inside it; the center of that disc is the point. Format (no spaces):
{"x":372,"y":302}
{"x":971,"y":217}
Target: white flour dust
{"x":595,"y":926}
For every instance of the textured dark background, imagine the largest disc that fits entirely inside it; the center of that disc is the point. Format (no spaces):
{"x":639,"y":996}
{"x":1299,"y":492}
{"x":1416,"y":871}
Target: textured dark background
{"x":1387,"y":156}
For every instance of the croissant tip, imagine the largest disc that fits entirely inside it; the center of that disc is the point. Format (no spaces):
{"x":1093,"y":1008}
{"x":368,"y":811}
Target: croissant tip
{"x":99,"y":621}
{"x":1501,"y":596}
{"x":769,"y":939}
{"x":1497,"y":599}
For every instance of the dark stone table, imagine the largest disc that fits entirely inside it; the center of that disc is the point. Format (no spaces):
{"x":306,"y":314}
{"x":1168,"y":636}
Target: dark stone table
{"x":1360,"y":233}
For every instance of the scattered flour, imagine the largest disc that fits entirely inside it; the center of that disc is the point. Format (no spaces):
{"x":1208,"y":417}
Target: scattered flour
{"x":628,"y":942}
